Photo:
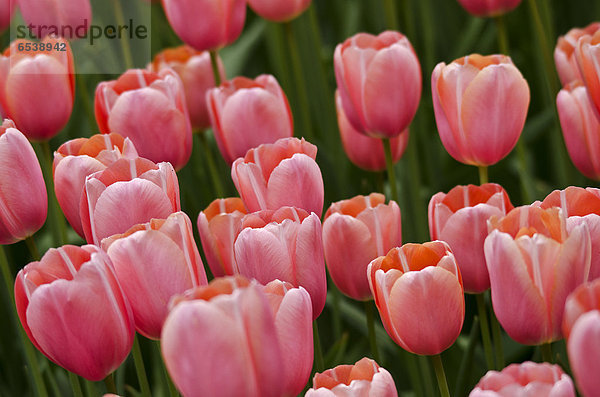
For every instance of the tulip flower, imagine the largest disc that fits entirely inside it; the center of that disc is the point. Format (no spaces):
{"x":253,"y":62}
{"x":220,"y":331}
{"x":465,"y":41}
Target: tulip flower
{"x":418,"y":291}
{"x":280,"y":174}
{"x":76,"y":159}
{"x":534,"y":264}
{"x":23,"y":198}
{"x":37,"y":87}
{"x":489,"y":8}
{"x":480,"y":105}
{"x":528,"y":379}
{"x":195,"y":71}
{"x":583,"y":348}
{"x":581,"y":128}
{"x":226,"y":332}
{"x":379,"y":81}
{"x":74,"y":311}
{"x":279,"y":11}
{"x":128,"y":192}
{"x":584,"y":299}
{"x":219,"y":225}
{"x":366,"y":152}
{"x":150,"y":109}
{"x":6,"y":12}
{"x":287,"y":245}
{"x":70,"y":19}
{"x":246,"y":113}
{"x":206,"y":24}
{"x":460,"y":219}
{"x":154,"y":262}
{"x":564,"y":53}
{"x":587,"y":54}
{"x":365,"y":378}
{"x":355,"y":232}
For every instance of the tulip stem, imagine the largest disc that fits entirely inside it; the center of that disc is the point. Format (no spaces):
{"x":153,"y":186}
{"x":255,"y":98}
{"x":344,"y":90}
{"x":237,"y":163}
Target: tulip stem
{"x":75,"y":384}
{"x":440,"y":375}
{"x":215,"y":67}
{"x":497,"y":337}
{"x":467,"y":358}
{"x":210,"y":161}
{"x":371,"y":328}
{"x":485,"y":331}
{"x":391,"y":20}
{"x":85,"y":98}
{"x":124,"y":42}
{"x":58,"y":226}
{"x":139,"y":368}
{"x":109,"y":382}
{"x":502,"y":35}
{"x":390,"y":168}
{"x":166,"y":376}
{"x":33,"y":250}
{"x":546,"y":350}
{"x":483,"y":174}
{"x":319,"y":364}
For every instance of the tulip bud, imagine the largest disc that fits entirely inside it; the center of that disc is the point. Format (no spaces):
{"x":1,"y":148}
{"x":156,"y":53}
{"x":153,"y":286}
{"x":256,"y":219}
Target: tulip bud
{"x":585,"y":298}
{"x":564,"y":53}
{"x":587,"y":54}
{"x":489,"y":8}
{"x":584,"y":353}
{"x":44,"y":18}
{"x":279,"y":11}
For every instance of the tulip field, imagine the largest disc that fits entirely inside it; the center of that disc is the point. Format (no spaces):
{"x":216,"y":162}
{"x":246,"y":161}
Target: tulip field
{"x":269,"y":198}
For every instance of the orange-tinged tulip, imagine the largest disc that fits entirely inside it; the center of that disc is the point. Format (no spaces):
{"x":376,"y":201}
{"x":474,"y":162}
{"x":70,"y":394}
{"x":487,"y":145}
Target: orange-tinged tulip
{"x":277,"y":10}
{"x":489,"y":8}
{"x":584,"y":299}
{"x":584,"y":353}
{"x":588,"y":59}
{"x":564,"y":53}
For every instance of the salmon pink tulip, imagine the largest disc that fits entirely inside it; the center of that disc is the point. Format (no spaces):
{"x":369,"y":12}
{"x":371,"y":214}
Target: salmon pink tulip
{"x":219,"y":225}
{"x":480,"y":105}
{"x":418,"y":291}
{"x":23,"y":198}
{"x":355,"y":232}
{"x":74,"y":310}
{"x":379,"y":81}
{"x":128,"y":192}
{"x":150,"y":109}
{"x":246,"y":113}
{"x":283,"y":173}
{"x":564,"y":53}
{"x":587,"y":54}
{"x":489,"y":8}
{"x":287,"y":245}
{"x":76,"y":159}
{"x":70,"y":19}
{"x":584,"y":299}
{"x":279,"y":11}
{"x":534,"y":264}
{"x":365,"y":378}
{"x":583,"y":348}
{"x":460,"y":219}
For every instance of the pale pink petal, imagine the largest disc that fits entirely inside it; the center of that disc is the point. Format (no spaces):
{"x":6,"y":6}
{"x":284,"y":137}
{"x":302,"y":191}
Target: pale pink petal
{"x":249,"y":182}
{"x":584,"y":353}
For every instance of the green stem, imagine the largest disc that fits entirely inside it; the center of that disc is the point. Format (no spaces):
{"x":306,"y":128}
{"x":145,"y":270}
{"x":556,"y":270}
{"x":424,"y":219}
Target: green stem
{"x":124,"y":42}
{"x":75,"y":385}
{"x":85,"y":97}
{"x":215,"y":67}
{"x":464,"y":370}
{"x":391,"y":20}
{"x":497,"y":336}
{"x":109,"y":382}
{"x":502,"y":35}
{"x":483,"y":174}
{"x":485,"y":331}
{"x":410,"y":362}
{"x":172,"y":390}
{"x":319,"y":364}
{"x":440,"y":375}
{"x":390,"y":168}
{"x":140,"y":369}
{"x":526,"y":182}
{"x":546,"y":349}
{"x":210,"y":161}
{"x":58,"y":226}
{"x":33,"y":250}
{"x":371,"y":328}
{"x":336,"y":318}
{"x":425,"y":369}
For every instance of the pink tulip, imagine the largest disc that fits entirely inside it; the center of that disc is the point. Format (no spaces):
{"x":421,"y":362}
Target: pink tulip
{"x":365,"y":378}
{"x":480,"y":105}
{"x":221,"y":340}
{"x":528,"y":379}
{"x":64,"y":18}
{"x":280,"y":174}
{"x":76,"y":159}
{"x":534,"y":264}
{"x":355,"y":232}
{"x":128,"y":192}
{"x":195,"y":71}
{"x":584,"y":299}
{"x":584,"y":353}
{"x":587,"y":54}
{"x":23,"y":198}
{"x":581,"y":128}
{"x":460,"y":219}
{"x":418,"y":291}
{"x":154,"y":262}
{"x":246,"y":113}
{"x":379,"y":81}
{"x":37,"y":88}
{"x":150,"y":109}
{"x":279,"y":11}
{"x":74,"y":311}
{"x":219,"y":225}
{"x":206,"y":24}
{"x":366,"y":152}
{"x":287,"y":245}
{"x":6,"y":12}
{"x":564,"y":53}
{"x":489,"y":8}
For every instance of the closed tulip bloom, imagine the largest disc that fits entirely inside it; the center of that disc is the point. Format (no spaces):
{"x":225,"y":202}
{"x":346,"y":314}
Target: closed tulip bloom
{"x":246,"y":113}
{"x":154,"y":262}
{"x":219,"y":225}
{"x":280,"y":174}
{"x":460,"y":219}
{"x":70,"y":19}
{"x":74,"y":311}
{"x":287,"y":245}
{"x":581,"y":128}
{"x":584,"y":299}
{"x":379,"y":81}
{"x":150,"y":109}
{"x":528,"y":379}
{"x":128,"y":192}
{"x":23,"y":198}
{"x":489,"y":8}
{"x":195,"y":71}
{"x":6,"y":12}
{"x":366,"y":152}
{"x":534,"y":264}
{"x":37,"y":88}
{"x":587,"y":54}
{"x":418,"y":291}
{"x":206,"y":24}
{"x":76,"y":159}
{"x":365,"y":378}
{"x":220,"y":340}
{"x":583,"y":348}
{"x":480,"y":105}
{"x":279,"y":11}
{"x":564,"y":53}
{"x":355,"y":232}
